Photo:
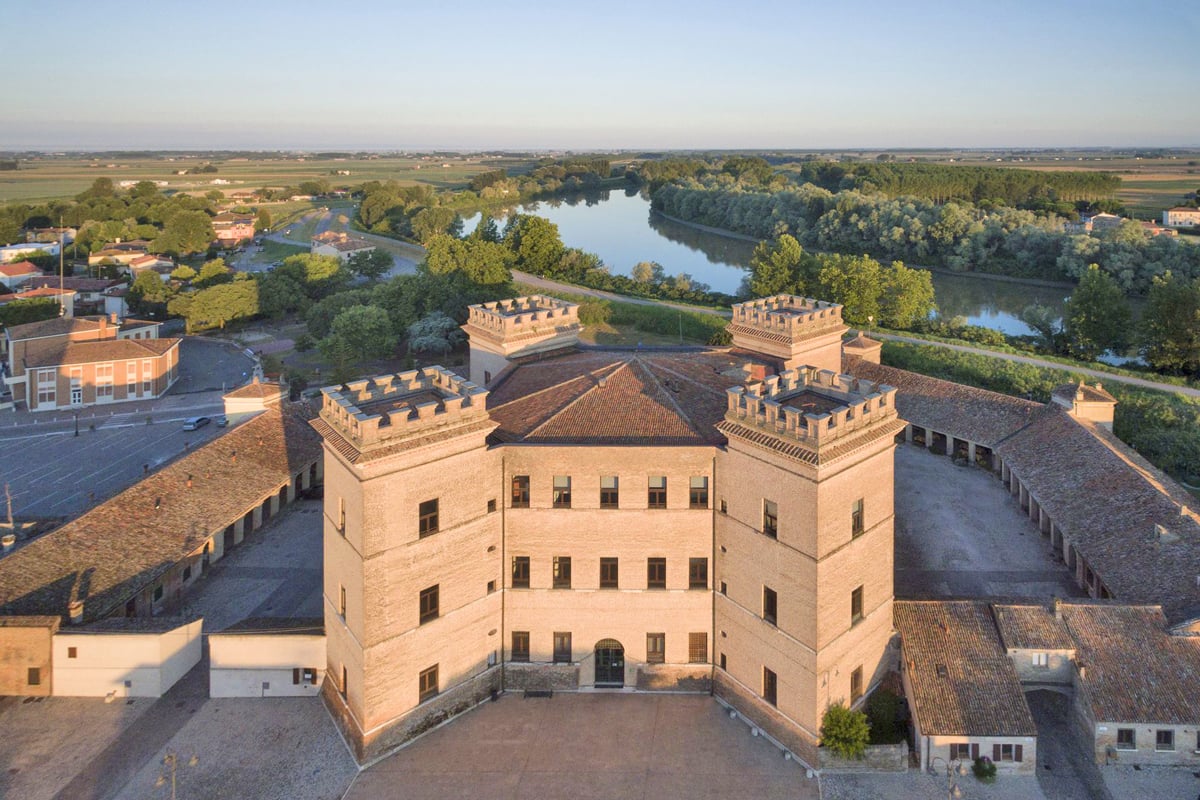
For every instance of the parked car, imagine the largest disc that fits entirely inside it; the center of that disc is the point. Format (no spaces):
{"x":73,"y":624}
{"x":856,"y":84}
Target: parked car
{"x":195,"y":423}
{"x":221,"y":420}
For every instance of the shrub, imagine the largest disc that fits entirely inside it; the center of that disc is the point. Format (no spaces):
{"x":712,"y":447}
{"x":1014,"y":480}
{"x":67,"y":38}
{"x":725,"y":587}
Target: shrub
{"x":883,"y":712}
{"x":845,"y":732}
{"x":984,"y":769}
{"x":595,"y":312}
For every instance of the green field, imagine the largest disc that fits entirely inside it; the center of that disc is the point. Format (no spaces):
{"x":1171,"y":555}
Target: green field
{"x":55,"y":178}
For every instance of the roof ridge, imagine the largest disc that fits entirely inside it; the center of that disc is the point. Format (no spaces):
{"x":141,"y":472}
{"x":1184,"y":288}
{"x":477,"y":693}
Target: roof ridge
{"x":596,"y":385}
{"x":554,"y":386}
{"x":667,"y":393}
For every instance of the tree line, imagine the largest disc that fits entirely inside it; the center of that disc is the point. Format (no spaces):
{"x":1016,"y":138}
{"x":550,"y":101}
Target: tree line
{"x":957,"y":235}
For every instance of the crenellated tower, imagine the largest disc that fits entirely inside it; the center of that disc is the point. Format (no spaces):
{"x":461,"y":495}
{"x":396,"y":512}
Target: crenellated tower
{"x":411,"y":554}
{"x":506,"y":330}
{"x":804,"y":538}
{"x":796,"y":331}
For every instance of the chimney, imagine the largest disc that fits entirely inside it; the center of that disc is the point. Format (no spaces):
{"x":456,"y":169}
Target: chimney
{"x":113,"y":318}
{"x":1058,"y":608}
{"x":75,"y":611}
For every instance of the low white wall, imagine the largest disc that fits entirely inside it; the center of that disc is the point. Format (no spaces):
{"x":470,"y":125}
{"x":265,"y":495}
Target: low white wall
{"x":265,"y":665}
{"x":124,"y":663}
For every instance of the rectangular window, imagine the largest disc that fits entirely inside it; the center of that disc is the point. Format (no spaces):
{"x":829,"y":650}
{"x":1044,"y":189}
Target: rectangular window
{"x":656,"y":648}
{"x":104,"y":382}
{"x":345,"y":682}
{"x":341,"y":517}
{"x":491,"y":506}
{"x":770,"y":519}
{"x":47,"y":383}
{"x":608,"y":573}
{"x":698,"y":648}
{"x":147,"y":379}
{"x":960,"y":751}
{"x":856,"y":606}
{"x":34,"y":676}
{"x":562,"y":491}
{"x":429,"y":683}
{"x":724,"y":588}
{"x":187,"y":572}
{"x":158,"y":593}
{"x":609,"y":492}
{"x":770,"y":609}
{"x":1126,"y":739}
{"x":697,"y":573}
{"x":131,"y":378}
{"x":723,"y":661}
{"x":1164,"y":740}
{"x":1041,"y":660}
{"x":520,"y":645}
{"x":342,"y":601}
{"x":562,"y":648}
{"x":429,"y":604}
{"x":428,"y":518}
{"x":72,"y":652}
{"x":856,"y":687}
{"x":562,"y":572}
{"x":656,"y":573}
{"x":1004,"y":752}
{"x":769,"y":686}
{"x":520,"y":572}
{"x":724,"y":507}
{"x":657,"y":492}
{"x":491,"y":587}
{"x":698,"y":493}
{"x":520,"y":491}
{"x":856,"y":518}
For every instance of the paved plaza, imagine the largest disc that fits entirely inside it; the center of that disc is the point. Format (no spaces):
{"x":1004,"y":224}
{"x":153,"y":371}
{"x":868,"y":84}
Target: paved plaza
{"x":959,"y":534}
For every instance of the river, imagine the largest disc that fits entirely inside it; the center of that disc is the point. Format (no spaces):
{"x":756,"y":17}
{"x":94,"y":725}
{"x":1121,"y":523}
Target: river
{"x":621,"y":229}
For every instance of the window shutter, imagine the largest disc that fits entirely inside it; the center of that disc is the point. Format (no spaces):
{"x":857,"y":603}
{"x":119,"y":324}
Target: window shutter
{"x":296,"y":675}
{"x":995,"y":752}
{"x":974,"y":751}
{"x":1018,"y":753}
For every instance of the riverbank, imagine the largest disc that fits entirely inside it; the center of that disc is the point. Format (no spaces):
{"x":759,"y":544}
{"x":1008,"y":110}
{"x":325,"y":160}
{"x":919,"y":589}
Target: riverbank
{"x":936,"y":270}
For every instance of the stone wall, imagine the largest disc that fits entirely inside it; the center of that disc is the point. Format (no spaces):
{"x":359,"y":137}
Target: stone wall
{"x":878,"y":758}
{"x":674,"y":678}
{"x":541,"y":677}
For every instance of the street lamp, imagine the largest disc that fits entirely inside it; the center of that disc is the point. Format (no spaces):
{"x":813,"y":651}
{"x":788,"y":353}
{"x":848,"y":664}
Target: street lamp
{"x":76,"y":415}
{"x":954,"y":770}
{"x":170,"y":762}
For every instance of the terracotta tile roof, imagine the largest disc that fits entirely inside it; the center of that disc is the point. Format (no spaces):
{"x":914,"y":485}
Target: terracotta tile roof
{"x":56,"y":352}
{"x":256,"y":389}
{"x":1109,"y":501}
{"x":965,"y":412}
{"x":1027,"y":627}
{"x":57,"y":326}
{"x":1088,"y":394}
{"x":19,"y":268}
{"x":78,"y":284}
{"x":616,"y":397}
{"x":1134,"y":671}
{"x":42,"y":291}
{"x":962,"y":682}
{"x":126,"y":544}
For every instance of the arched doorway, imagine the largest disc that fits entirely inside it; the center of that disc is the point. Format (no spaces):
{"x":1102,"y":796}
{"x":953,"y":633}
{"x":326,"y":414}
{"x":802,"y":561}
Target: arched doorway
{"x":610,"y":663}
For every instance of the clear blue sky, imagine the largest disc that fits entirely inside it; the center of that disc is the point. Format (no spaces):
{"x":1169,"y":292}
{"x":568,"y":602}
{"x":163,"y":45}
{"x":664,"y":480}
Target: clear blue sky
{"x":591,"y":75}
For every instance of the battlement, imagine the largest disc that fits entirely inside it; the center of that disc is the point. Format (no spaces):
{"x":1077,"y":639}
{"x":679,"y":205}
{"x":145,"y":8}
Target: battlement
{"x":508,"y":318}
{"x":788,"y":314}
{"x":377,"y":411}
{"x":795,"y":330}
{"x":812,"y":407}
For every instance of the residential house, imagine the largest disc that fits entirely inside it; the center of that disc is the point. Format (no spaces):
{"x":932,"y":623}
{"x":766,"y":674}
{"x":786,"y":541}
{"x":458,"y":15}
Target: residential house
{"x":16,"y":252}
{"x":89,"y":292}
{"x":1181,"y":217}
{"x":17,"y":274}
{"x":233,"y":229}
{"x":340,"y":245}
{"x":72,"y":362}
{"x":64,"y":297}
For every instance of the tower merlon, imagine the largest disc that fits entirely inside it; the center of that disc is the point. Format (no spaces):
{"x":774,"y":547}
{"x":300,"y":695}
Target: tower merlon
{"x":381,"y":410}
{"x":795,"y":330}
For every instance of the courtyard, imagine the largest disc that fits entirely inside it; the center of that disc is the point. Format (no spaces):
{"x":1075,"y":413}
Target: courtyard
{"x":959,"y":534}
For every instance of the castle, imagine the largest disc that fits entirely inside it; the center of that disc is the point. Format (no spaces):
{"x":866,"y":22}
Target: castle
{"x":708,"y":519}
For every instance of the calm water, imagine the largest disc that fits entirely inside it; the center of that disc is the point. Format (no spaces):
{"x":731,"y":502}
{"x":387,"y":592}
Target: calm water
{"x":619,"y":227}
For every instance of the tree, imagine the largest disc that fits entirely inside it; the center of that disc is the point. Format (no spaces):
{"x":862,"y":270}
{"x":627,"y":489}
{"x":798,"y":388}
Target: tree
{"x":1097,"y":316}
{"x":854,"y":281}
{"x":217,"y":305}
{"x":370,"y":264}
{"x":845,"y":732}
{"x":262,"y":222}
{"x":20,"y":312}
{"x":212,"y":273}
{"x":319,"y":275}
{"x":143,"y":190}
{"x":430,"y":222}
{"x":476,"y":260}
{"x":436,"y":332}
{"x":486,"y":229}
{"x":906,"y":297}
{"x":10,"y":230}
{"x":366,"y":331}
{"x":778,"y":268}
{"x":185,"y":232}
{"x":535,"y":243}
{"x":149,"y":294}
{"x":183,"y":273}
{"x":280,"y":294}
{"x":1046,"y":322}
{"x":1171,"y":325}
